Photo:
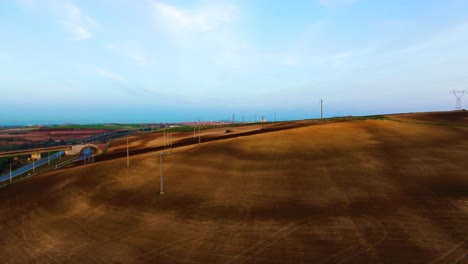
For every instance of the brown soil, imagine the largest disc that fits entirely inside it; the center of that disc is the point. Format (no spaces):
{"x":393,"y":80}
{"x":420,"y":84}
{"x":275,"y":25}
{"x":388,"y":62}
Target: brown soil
{"x":44,"y":135}
{"x":355,"y":192}
{"x":453,"y":117}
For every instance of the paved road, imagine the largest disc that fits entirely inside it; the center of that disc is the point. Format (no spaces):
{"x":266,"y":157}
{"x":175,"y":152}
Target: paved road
{"x":29,"y":167}
{"x":85,"y":153}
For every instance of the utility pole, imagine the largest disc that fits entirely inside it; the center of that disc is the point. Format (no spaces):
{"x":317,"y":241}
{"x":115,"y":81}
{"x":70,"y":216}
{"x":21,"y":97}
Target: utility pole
{"x":128,"y":154}
{"x":458,"y":95}
{"x":161,"y":178}
{"x":321,"y":108}
{"x":233,"y":118}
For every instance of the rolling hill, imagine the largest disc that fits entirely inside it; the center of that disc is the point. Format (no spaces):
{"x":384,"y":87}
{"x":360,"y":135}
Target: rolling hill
{"x":354,"y":191}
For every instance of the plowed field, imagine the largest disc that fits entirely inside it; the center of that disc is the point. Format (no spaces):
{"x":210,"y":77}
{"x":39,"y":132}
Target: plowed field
{"x":375,"y":191}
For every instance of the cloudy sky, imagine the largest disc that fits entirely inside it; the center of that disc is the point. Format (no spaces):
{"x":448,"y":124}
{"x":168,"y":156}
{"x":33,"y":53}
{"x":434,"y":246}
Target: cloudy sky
{"x":167,"y":60}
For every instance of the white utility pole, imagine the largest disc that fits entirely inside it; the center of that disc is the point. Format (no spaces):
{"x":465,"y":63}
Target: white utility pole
{"x":321,"y":108}
{"x":161,"y":178}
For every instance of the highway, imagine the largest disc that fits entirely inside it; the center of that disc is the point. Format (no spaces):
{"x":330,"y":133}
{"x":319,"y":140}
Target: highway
{"x":31,"y":151}
{"x":85,"y":154}
{"x":29,"y":167}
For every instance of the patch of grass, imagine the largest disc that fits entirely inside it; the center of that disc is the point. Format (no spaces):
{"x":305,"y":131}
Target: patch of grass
{"x":372,"y":117}
{"x":350,"y":118}
{"x":191,"y":128}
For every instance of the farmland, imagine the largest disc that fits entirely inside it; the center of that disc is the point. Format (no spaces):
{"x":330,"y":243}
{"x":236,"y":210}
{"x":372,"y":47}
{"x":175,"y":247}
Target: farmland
{"x":381,"y":190}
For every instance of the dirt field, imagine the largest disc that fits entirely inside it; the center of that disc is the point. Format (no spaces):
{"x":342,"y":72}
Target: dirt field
{"x":357,"y":192}
{"x":17,"y":137}
{"x":453,"y":117}
{"x":43,"y":135}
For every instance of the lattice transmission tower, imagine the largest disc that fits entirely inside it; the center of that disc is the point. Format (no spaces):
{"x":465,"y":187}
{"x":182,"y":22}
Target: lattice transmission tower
{"x":458,"y":95}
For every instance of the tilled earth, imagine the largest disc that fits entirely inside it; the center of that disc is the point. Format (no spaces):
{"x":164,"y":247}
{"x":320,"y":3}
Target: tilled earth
{"x":358,"y":192}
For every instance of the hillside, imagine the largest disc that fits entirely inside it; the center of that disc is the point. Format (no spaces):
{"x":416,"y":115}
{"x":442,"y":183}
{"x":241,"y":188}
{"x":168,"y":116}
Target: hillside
{"x":357,"y":191}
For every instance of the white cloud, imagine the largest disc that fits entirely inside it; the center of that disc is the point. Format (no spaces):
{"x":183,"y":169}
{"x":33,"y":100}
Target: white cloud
{"x":396,"y":22}
{"x":455,"y":35}
{"x":335,"y":3}
{"x":207,"y":28}
{"x":107,"y":74}
{"x":67,"y":13}
{"x":138,"y":58}
{"x":205,"y":19}
{"x":77,"y":22}
{"x":27,"y":3}
{"x":79,"y":31}
{"x":342,"y":58}
{"x":132,"y":52}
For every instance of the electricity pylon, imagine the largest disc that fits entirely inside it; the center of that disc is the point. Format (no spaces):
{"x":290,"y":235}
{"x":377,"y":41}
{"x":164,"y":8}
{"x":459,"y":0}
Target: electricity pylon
{"x":458,"y":95}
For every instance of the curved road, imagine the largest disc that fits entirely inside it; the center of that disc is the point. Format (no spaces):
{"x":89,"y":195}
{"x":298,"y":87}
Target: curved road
{"x":29,"y":167}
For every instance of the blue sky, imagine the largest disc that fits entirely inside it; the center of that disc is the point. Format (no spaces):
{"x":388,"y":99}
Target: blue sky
{"x":164,"y":60}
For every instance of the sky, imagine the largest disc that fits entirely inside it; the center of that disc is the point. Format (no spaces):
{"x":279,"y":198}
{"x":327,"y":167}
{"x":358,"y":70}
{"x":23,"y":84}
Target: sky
{"x":134,"y":61}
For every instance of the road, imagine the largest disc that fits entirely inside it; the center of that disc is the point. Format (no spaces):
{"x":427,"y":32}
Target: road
{"x":29,"y":167}
{"x":85,"y":154}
